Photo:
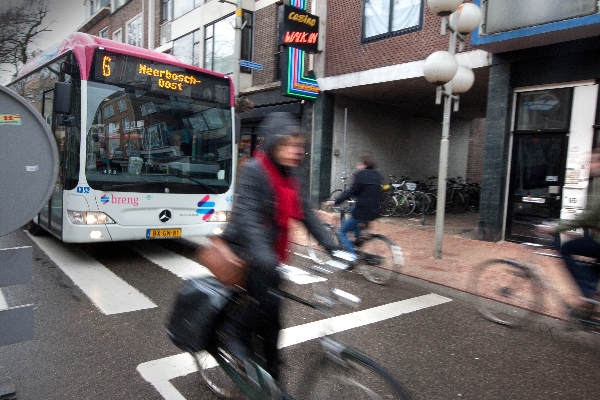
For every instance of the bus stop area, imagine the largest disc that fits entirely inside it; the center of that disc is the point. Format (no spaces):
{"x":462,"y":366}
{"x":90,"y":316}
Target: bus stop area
{"x":462,"y":253}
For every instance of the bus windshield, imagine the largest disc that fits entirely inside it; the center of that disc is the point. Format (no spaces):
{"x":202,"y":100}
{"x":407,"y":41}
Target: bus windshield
{"x":155,"y":127}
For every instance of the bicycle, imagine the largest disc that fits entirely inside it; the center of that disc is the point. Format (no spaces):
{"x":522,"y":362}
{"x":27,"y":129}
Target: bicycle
{"x":522,"y":285}
{"x":378,"y":257}
{"x":337,"y":372}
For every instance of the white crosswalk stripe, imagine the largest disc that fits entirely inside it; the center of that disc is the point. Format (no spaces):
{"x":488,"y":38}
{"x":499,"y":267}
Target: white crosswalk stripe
{"x":159,"y":372}
{"x":110,"y":293}
{"x":3,"y":303}
{"x":177,"y":264}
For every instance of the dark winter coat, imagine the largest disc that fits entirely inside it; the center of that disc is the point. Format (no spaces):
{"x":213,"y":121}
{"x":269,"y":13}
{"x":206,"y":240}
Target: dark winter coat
{"x":366,"y":190}
{"x":253,"y":230}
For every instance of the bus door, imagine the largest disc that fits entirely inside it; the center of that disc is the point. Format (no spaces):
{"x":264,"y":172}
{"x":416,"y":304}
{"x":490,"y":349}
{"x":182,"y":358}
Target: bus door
{"x":47,"y":99}
{"x":55,"y":205}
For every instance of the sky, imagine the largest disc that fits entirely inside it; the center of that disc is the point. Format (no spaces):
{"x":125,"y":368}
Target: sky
{"x":64,"y":16}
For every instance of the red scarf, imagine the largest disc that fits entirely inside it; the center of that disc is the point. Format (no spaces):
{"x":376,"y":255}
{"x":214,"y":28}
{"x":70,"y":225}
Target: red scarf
{"x":287,"y":201}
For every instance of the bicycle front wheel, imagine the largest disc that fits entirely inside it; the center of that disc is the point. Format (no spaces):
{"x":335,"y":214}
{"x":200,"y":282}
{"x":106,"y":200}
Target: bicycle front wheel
{"x":351,"y":375}
{"x":379,"y":259}
{"x":214,"y":376}
{"x":509,"y":282}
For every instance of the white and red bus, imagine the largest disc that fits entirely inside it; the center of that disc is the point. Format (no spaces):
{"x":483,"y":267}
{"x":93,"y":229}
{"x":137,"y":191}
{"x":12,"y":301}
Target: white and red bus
{"x":146,"y":143}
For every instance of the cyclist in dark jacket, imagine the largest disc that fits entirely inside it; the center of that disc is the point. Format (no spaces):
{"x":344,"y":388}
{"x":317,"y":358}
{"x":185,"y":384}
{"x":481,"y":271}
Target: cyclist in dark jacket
{"x":366,"y":190}
{"x":268,"y":195}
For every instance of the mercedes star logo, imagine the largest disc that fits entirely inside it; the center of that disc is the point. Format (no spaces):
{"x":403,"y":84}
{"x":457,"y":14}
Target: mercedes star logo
{"x":164,"y":215}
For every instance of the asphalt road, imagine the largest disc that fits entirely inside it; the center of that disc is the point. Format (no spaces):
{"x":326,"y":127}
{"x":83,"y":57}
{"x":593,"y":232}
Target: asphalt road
{"x":101,"y":309}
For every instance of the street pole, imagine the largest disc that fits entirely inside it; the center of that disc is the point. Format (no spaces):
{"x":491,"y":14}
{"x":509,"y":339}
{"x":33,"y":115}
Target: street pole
{"x":345,"y":138}
{"x":443,"y":165}
{"x":237,"y":49}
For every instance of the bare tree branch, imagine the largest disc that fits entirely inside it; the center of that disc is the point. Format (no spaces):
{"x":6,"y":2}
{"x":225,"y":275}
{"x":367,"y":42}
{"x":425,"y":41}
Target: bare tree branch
{"x":22,"y":21}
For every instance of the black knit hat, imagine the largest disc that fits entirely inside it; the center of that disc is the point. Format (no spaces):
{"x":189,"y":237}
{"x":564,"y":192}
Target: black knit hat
{"x":276,"y":127}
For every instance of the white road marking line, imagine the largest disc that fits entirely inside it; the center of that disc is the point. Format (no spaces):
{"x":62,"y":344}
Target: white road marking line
{"x":3,"y":303}
{"x":177,"y":264}
{"x":110,"y":293}
{"x":159,"y":372}
{"x":298,"y":275}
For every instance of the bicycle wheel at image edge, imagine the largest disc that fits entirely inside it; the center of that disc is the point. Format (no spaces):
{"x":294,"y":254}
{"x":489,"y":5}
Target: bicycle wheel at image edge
{"x":215,"y":377}
{"x":509,"y":282}
{"x":379,"y":259}
{"x":351,"y":376}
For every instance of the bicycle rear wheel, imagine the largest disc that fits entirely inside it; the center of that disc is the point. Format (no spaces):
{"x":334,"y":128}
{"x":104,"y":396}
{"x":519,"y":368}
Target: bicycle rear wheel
{"x":389,"y":205}
{"x":509,"y":282}
{"x":351,"y":375}
{"x":379,"y":259}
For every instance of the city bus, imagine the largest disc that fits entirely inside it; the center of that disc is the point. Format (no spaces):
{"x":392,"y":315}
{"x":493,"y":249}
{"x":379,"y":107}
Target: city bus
{"x":146,"y":143}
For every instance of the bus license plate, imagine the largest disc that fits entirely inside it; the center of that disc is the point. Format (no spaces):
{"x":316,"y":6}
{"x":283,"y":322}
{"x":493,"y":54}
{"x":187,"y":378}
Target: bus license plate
{"x":163,"y":233}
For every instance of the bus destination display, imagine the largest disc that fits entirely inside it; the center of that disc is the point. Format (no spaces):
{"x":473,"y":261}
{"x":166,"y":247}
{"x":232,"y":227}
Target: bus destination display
{"x":169,"y":79}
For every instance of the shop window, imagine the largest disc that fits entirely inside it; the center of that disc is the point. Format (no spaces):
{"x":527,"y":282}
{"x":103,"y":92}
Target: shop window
{"x":544,"y":110}
{"x":219,"y":41}
{"x":387,"y":18}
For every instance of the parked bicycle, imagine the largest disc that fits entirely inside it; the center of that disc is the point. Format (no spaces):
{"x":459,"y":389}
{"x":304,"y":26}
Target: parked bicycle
{"x":337,"y":371}
{"x":522,"y":286}
{"x":378,"y":257}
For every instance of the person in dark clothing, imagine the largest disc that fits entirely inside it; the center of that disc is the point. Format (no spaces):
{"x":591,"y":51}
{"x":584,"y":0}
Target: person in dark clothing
{"x":586,"y":276}
{"x":267,"y":197}
{"x":366,"y":190}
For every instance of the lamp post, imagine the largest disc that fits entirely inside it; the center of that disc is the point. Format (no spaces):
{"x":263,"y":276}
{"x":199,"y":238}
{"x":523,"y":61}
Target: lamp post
{"x":442,"y":69}
{"x":237,"y":46}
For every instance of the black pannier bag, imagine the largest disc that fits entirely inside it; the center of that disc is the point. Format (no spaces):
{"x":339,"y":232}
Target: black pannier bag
{"x":197,"y":307}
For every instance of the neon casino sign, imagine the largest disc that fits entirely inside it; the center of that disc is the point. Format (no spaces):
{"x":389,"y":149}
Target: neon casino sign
{"x":299,"y":31}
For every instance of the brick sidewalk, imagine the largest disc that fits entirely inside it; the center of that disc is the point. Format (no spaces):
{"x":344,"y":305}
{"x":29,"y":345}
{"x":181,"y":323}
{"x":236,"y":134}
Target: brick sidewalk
{"x":461,"y":253}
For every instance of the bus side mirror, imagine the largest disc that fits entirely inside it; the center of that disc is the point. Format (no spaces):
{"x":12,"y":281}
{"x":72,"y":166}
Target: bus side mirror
{"x":62,"y":98}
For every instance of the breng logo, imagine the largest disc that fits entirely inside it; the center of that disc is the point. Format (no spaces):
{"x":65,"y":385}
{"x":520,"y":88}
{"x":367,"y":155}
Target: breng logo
{"x":112,"y":199}
{"x":206,"y":208}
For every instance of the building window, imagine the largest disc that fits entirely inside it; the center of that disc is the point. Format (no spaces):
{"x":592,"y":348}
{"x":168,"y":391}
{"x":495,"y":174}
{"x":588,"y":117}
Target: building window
{"x":181,"y":7}
{"x":134,"y":29}
{"x":166,"y":10}
{"x":103,"y":33}
{"x":187,"y":48}
{"x":117,"y":35}
{"x":119,"y":3}
{"x":219,"y":40}
{"x":387,"y":18}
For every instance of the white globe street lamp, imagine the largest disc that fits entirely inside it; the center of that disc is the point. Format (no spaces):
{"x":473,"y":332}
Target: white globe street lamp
{"x":465,"y":19}
{"x":443,"y":7}
{"x":440,"y":67}
{"x":463,"y":80}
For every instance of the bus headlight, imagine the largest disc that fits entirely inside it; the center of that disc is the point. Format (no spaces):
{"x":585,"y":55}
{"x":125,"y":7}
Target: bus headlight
{"x":219,"y":216}
{"x":89,"y":218}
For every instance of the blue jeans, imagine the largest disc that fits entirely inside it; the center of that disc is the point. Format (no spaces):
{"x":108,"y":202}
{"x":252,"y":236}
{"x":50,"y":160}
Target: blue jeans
{"x":349,"y":224}
{"x":586,"y":276}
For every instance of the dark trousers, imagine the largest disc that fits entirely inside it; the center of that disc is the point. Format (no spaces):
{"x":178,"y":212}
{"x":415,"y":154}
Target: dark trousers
{"x":257,"y":317}
{"x":586,"y":276}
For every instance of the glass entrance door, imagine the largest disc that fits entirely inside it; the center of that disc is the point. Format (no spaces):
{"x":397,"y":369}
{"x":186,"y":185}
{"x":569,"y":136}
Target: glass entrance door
{"x":537,"y":177}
